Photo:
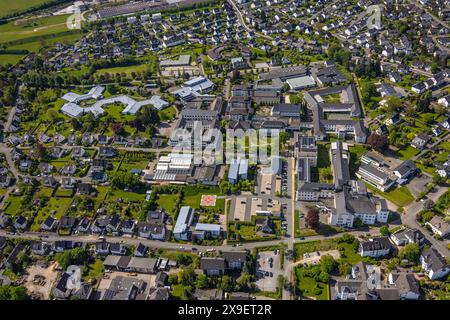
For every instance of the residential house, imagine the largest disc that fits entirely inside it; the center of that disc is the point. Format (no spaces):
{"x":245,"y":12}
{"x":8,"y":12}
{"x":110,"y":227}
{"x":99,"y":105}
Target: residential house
{"x":375,"y":247}
{"x":20,"y":223}
{"x":235,"y":260}
{"x":49,"y":224}
{"x":439,"y":226}
{"x":141,"y":250}
{"x":407,"y":236}
{"x":212,"y":266}
{"x":420,"y":141}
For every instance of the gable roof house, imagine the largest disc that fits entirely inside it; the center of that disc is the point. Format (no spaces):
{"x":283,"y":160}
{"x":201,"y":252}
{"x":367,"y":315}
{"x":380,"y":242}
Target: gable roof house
{"x":154,"y":231}
{"x":4,"y":220}
{"x":67,"y":223}
{"x":235,"y":259}
{"x":439,"y":226}
{"x":61,"y":245}
{"x":117,"y":248}
{"x":20,"y":223}
{"x":49,"y":224}
{"x":100,"y":224}
{"x":114,"y":224}
{"x":420,"y":141}
{"x":40,"y":248}
{"x":212,"y":266}
{"x":102,"y":248}
{"x":407,"y":236}
{"x":141,"y":250}
{"x":375,"y":247}
{"x":364,"y":283}
{"x":84,"y":225}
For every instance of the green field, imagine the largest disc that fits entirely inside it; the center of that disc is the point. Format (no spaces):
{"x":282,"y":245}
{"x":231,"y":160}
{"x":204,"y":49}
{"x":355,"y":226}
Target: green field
{"x":407,"y":153}
{"x":10,"y":59}
{"x":131,"y":196}
{"x":12,"y":7}
{"x":16,"y":30}
{"x":127,"y":70}
{"x":12,"y":205}
{"x":167,"y":202}
{"x":35,"y":33}
{"x":400,"y":196}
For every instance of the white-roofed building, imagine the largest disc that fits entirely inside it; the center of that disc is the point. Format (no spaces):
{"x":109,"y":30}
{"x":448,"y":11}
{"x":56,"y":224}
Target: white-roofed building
{"x":207,"y":230}
{"x":173,"y":165}
{"x":193,"y":88}
{"x":132,"y":106}
{"x":301,"y":82}
{"x":158,"y":103}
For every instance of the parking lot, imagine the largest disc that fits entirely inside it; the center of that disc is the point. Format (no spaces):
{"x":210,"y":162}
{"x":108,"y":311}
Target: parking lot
{"x":267,"y":270}
{"x":418,"y":184}
{"x":284,"y":179}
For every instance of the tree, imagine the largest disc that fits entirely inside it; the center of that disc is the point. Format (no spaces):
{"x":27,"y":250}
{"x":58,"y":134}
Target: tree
{"x":71,"y":257}
{"x":40,"y":151}
{"x":122,"y":180}
{"x":344,"y":268}
{"x":410,"y":252}
{"x":226,"y":283}
{"x":384,"y":230}
{"x":378,"y":142}
{"x":13,"y":293}
{"x":393,"y":103}
{"x":326,"y":174}
{"x":244,"y":282}
{"x":186,"y":277}
{"x":202,"y":281}
{"x":312,"y":218}
{"x":117,"y":128}
{"x":428,"y":205}
{"x":173,"y":279}
{"x":184,"y":259}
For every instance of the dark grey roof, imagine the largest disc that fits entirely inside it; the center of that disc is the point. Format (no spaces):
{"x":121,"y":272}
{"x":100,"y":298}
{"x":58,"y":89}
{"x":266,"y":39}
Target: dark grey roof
{"x":235,"y":256}
{"x":212,"y":263}
{"x":434,"y":259}
{"x":405,"y":167}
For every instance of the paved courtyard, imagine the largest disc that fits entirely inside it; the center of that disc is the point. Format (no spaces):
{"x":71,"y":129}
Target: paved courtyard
{"x":266,"y":282}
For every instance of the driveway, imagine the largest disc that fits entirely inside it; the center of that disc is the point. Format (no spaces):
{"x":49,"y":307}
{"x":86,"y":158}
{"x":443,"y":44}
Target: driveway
{"x":417,"y":185}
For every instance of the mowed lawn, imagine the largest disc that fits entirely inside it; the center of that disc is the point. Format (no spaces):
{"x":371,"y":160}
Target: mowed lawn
{"x":407,"y":153}
{"x":8,"y":7}
{"x":127,"y":70}
{"x":167,"y":202}
{"x":167,"y":113}
{"x":12,"y":205}
{"x":10,"y":59}
{"x":14,"y":30}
